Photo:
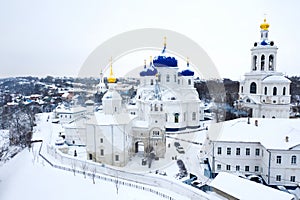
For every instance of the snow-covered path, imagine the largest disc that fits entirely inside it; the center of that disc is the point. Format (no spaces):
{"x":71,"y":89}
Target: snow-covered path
{"x":24,"y":178}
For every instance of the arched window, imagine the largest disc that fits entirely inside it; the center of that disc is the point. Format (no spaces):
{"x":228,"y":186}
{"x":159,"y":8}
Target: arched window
{"x":271,"y":62}
{"x":158,"y":77}
{"x":262,"y":62}
{"x":151,"y":82}
{"x":176,"y":117}
{"x":274,"y":91}
{"x":266,"y":90}
{"x":242,"y":89}
{"x":294,"y":160}
{"x":189,"y":82}
{"x":253,"y":88}
{"x":283,"y":91}
{"x":168,"y":78}
{"x":155,"y":107}
{"x":175,"y":78}
{"x":254,"y":64}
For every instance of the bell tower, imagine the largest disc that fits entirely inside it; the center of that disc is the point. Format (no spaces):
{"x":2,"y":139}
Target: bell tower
{"x":264,"y":52}
{"x":264,"y":92}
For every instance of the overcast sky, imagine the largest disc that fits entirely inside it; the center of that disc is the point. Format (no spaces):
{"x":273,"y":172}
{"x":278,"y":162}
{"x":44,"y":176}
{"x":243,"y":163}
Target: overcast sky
{"x":40,"y":38}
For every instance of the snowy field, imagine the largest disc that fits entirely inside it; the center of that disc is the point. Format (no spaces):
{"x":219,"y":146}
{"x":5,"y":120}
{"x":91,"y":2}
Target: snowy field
{"x":27,"y":178}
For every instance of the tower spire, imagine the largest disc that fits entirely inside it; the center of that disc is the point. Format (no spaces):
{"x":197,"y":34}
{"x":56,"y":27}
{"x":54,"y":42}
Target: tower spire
{"x":111,"y":78}
{"x":187,"y":61}
{"x":165,"y":44}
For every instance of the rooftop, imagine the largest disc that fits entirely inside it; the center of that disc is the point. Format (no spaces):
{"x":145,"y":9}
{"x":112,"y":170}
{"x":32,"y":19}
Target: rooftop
{"x":271,"y":133}
{"x":230,"y":184}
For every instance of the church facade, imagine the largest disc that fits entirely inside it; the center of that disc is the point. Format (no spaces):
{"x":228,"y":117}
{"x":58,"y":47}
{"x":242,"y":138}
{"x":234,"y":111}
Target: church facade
{"x":166,"y":103}
{"x":265,"y":92}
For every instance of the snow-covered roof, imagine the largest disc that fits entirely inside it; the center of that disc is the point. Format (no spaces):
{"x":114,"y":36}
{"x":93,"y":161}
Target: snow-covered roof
{"x":253,"y":99}
{"x":111,"y":94}
{"x":140,"y":124}
{"x":271,"y":133}
{"x":276,"y":79}
{"x":89,"y":102}
{"x":230,"y":184}
{"x":106,"y":119}
{"x":63,"y":109}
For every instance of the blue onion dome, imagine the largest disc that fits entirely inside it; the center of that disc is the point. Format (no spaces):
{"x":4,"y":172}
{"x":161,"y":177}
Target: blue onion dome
{"x":165,"y":60}
{"x":264,"y":42}
{"x":186,"y":71}
{"x":149,"y":71}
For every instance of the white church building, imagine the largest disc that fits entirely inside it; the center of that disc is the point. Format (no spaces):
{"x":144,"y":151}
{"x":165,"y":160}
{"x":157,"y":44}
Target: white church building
{"x":264,"y":91}
{"x":166,"y":102}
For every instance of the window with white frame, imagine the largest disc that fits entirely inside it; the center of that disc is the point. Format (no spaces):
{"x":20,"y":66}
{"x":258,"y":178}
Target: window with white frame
{"x":228,"y":167}
{"x":247,"y":168}
{"x":228,"y":151}
{"x":247,"y":151}
{"x":278,"y":177}
{"x":257,"y":152}
{"x":294,"y":160}
{"x":293,"y":179}
{"x":194,"y":116}
{"x":219,"y":152}
{"x":278,"y":159}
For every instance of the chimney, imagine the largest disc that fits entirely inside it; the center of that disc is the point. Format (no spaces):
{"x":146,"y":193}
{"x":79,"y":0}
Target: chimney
{"x":286,"y":138}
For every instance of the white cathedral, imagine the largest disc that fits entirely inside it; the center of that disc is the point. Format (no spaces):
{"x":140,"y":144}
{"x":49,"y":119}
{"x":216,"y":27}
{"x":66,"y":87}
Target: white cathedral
{"x":166,"y":102}
{"x":264,"y":91}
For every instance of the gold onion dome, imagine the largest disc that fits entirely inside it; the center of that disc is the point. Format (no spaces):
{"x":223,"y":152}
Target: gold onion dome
{"x":111,"y":78}
{"x":265,"y":25}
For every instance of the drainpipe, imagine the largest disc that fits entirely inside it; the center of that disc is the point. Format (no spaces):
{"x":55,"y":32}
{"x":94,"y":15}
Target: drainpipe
{"x":124,"y":138}
{"x":112,"y":144}
{"x":213,"y":159}
{"x":95,"y":149}
{"x":269,"y":167}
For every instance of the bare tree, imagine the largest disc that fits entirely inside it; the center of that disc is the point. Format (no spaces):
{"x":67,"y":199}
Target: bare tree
{"x":93,"y":170}
{"x":84,"y":168}
{"x":73,"y":165}
{"x":117,"y":183}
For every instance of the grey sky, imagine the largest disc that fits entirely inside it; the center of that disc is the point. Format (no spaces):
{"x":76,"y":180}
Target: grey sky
{"x":55,"y":37}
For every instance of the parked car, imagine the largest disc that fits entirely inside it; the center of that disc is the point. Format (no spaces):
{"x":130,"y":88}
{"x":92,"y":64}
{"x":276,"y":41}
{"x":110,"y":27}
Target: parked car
{"x":197,"y":184}
{"x":176,"y":144}
{"x":180,"y":149}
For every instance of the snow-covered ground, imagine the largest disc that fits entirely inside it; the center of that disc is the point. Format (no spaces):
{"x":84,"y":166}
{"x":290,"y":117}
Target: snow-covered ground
{"x":28,"y":176}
